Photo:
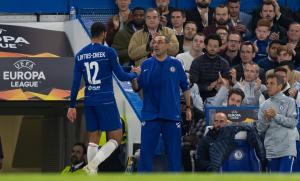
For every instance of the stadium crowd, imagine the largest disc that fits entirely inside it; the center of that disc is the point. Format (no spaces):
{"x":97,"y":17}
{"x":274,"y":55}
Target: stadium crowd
{"x":232,"y":59}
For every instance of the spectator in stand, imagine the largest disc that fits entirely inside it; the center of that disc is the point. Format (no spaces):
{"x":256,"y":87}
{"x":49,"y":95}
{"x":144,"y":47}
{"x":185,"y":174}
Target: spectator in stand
{"x":164,"y":11}
{"x":285,"y":58}
{"x":221,"y":18}
{"x":178,"y":19}
{"x":118,"y":21}
{"x":270,"y":10}
{"x":189,"y":31}
{"x":293,"y":41}
{"x":289,"y":90}
{"x":206,"y":68}
{"x":270,"y":62}
{"x":223,"y":33}
{"x":122,"y":38}
{"x":202,"y":14}
{"x":261,"y":40}
{"x":232,"y":52}
{"x":196,"y":51}
{"x":140,"y":45}
{"x":251,"y":86}
{"x":277,"y":121}
{"x":240,"y":21}
{"x":247,"y":52}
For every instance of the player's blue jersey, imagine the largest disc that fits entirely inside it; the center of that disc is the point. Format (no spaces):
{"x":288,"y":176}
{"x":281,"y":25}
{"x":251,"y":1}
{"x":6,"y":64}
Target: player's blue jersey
{"x":96,"y":63}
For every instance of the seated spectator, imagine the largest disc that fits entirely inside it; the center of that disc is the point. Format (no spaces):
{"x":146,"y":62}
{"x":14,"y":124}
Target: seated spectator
{"x":285,"y":58}
{"x":185,"y":41}
{"x":240,"y":21}
{"x":248,"y":51}
{"x":78,"y":159}
{"x":228,"y":96}
{"x":219,"y":142}
{"x":277,"y":121}
{"x":196,"y":50}
{"x":293,"y":41}
{"x":232,"y":52}
{"x":122,"y":38}
{"x":140,"y":45}
{"x":118,"y":21}
{"x":202,"y":14}
{"x":261,"y":40}
{"x":279,"y":23}
{"x":206,"y":68}
{"x":223,"y":33}
{"x":270,"y":62}
{"x":221,"y":18}
{"x":290,"y":90}
{"x":178,"y":19}
{"x":251,"y":86}
{"x":1,"y":155}
{"x":164,"y":11}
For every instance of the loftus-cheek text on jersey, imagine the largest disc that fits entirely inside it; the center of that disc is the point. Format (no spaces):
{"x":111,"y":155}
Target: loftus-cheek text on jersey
{"x":91,"y":55}
{"x":96,"y":64}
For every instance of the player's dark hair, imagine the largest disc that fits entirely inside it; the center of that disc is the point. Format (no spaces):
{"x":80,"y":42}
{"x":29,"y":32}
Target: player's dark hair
{"x":97,"y":29}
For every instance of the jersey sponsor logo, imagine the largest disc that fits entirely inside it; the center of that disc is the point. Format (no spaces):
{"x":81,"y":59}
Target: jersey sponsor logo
{"x":238,"y":155}
{"x":172,"y":69}
{"x":94,"y":88}
{"x":25,"y":76}
{"x":7,"y":41}
{"x":91,"y":55}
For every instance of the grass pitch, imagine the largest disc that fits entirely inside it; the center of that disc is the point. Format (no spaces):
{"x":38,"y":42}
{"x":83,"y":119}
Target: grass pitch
{"x":150,"y":177}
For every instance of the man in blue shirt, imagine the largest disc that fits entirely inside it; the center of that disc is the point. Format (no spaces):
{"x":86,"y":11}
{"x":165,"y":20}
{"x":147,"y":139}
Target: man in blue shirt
{"x":161,"y":78}
{"x":96,"y":63}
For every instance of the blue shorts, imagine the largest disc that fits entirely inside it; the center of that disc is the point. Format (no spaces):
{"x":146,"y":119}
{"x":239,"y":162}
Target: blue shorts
{"x":103,"y":117}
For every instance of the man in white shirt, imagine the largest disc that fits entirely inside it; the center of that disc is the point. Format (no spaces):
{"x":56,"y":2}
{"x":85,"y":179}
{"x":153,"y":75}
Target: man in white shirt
{"x":196,"y":50}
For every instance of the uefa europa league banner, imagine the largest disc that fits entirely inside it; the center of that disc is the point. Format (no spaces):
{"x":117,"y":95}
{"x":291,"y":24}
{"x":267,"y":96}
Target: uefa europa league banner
{"x":35,"y":78}
{"x":35,"y":64}
{"x":19,"y":41}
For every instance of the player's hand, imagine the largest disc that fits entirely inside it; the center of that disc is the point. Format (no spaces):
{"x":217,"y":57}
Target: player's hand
{"x":72,"y":114}
{"x":136,"y":70}
{"x":188,"y":114}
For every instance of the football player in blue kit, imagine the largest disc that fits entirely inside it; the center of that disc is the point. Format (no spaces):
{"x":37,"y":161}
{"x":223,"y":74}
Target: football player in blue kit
{"x":97,"y":63}
{"x":161,"y":78}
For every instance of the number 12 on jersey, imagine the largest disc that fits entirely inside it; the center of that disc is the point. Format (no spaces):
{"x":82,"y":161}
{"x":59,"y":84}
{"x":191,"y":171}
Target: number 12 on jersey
{"x":90,"y":66}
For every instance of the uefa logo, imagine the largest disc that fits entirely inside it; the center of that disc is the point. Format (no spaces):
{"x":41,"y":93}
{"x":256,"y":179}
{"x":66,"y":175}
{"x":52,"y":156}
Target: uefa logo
{"x":28,"y":64}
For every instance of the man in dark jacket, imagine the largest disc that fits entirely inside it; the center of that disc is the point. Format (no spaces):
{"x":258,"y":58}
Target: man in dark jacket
{"x":201,"y":14}
{"x":205,"y":69}
{"x":122,"y":38}
{"x":219,"y":142}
